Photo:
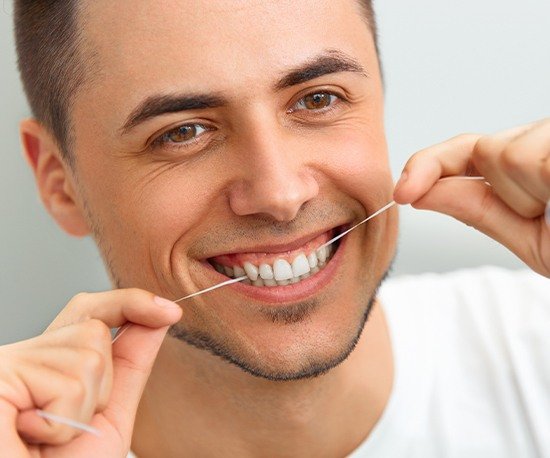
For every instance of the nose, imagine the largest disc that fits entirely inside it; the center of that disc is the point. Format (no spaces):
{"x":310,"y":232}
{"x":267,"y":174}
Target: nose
{"x":275,"y":180}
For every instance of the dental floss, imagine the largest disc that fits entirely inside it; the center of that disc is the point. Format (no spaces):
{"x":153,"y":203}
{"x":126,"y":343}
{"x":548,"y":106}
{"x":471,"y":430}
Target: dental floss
{"x":219,"y":285}
{"x":68,"y":422}
{"x":122,"y":329}
{"x":376,"y":213}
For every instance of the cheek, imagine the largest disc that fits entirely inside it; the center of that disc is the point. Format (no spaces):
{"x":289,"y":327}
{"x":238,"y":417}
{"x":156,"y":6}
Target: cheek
{"x":173,"y":206}
{"x":357,"y":164}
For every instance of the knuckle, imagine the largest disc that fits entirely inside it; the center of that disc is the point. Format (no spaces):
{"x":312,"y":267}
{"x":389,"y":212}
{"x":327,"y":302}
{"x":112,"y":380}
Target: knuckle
{"x":95,"y":330}
{"x":465,"y":138}
{"x":92,"y":362}
{"x":78,"y":301}
{"x":79,"y":298}
{"x":485,"y":150}
{"x":75,"y":391}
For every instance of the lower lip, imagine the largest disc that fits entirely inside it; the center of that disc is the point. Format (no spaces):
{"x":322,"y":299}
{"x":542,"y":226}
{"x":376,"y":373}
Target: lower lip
{"x":290,"y":293}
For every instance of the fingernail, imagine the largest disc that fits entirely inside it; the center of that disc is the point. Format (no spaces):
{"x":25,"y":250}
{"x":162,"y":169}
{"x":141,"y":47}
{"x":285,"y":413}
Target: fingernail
{"x":402,"y":178}
{"x":165,"y":302}
{"x":547,"y":213}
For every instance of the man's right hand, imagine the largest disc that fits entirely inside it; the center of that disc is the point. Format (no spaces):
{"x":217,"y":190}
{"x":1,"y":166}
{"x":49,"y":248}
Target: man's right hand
{"x":72,"y":370}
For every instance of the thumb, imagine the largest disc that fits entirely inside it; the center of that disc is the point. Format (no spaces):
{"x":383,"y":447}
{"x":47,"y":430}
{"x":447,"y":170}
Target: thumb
{"x":134,"y":354}
{"x":475,"y":204}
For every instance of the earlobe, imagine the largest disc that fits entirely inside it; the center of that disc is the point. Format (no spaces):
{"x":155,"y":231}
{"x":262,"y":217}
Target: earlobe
{"x":53,"y":178}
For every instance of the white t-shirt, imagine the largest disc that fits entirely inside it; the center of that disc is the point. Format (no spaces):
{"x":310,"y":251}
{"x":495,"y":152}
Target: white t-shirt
{"x":472,"y":367}
{"x":472,"y":359}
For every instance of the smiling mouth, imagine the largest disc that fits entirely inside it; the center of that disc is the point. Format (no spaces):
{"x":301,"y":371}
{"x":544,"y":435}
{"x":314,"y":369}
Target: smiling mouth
{"x":272,"y":269}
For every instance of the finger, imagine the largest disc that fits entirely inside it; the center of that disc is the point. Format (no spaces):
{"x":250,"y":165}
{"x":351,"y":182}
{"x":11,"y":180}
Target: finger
{"x":133,"y":358}
{"x":56,"y":394}
{"x":92,"y":335}
{"x":495,"y":160}
{"x":426,"y":167}
{"x":452,"y":157}
{"x":477,"y":205}
{"x":92,"y":367}
{"x":9,"y":437}
{"x":527,"y":160}
{"x":117,"y":307}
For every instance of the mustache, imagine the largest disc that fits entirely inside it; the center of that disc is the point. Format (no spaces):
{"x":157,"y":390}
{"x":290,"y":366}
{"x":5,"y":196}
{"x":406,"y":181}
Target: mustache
{"x":225,"y":235}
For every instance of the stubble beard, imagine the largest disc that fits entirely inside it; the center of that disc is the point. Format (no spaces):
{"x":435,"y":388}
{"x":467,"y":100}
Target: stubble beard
{"x":283,"y":317}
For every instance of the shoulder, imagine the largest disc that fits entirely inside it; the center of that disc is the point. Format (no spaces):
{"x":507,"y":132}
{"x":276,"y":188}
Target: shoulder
{"x":484,"y":289}
{"x":474,"y":316}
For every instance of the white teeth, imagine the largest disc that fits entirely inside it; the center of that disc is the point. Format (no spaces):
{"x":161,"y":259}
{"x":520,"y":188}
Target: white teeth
{"x":251,"y":271}
{"x":239,"y":271}
{"x":300,"y":266}
{"x":228,"y":271}
{"x":266,"y":272}
{"x":312,"y":260}
{"x":322,"y":254}
{"x":282,"y":270}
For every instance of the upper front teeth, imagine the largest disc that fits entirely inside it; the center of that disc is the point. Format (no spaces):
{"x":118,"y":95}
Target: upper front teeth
{"x":300,"y":266}
{"x":282,"y":272}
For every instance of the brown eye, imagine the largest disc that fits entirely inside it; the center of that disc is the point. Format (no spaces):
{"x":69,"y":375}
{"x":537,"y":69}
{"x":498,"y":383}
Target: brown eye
{"x":183,"y":133}
{"x":316,"y":101}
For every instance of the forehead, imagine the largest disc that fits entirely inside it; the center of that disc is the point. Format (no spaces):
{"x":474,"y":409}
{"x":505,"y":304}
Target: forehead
{"x":231,"y":41}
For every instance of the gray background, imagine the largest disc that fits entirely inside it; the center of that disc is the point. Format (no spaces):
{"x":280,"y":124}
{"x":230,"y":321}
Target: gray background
{"x":450,"y":66}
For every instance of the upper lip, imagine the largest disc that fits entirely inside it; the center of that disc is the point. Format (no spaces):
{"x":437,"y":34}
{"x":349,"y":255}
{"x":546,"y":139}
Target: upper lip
{"x":279,"y":247}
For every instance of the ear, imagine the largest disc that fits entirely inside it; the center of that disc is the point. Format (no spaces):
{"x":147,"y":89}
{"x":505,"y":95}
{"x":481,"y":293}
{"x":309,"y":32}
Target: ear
{"x":53,"y":177}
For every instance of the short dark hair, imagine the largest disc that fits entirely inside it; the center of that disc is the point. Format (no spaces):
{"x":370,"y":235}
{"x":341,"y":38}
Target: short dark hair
{"x":52,"y":64}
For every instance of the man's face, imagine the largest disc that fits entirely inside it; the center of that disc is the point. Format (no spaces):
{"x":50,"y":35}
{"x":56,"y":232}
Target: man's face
{"x":222,"y":133}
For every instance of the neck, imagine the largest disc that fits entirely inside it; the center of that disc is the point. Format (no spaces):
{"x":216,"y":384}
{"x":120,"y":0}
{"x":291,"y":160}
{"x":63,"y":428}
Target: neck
{"x":197,"y":405}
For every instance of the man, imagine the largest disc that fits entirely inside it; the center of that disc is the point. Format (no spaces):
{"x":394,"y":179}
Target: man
{"x":193,"y":138}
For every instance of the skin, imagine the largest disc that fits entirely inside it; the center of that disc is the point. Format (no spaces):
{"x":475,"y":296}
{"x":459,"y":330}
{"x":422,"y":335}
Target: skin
{"x":265,"y":171}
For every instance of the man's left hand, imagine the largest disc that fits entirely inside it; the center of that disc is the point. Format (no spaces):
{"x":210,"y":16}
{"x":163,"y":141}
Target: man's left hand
{"x":516,"y":164}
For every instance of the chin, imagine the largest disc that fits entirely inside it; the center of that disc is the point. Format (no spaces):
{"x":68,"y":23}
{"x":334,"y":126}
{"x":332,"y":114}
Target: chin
{"x":293,"y":342}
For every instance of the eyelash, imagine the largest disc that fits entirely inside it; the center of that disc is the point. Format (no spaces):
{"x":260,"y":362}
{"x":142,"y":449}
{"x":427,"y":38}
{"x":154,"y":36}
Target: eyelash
{"x":163,"y":140}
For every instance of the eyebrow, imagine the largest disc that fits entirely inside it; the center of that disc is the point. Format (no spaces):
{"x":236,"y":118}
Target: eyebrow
{"x":330,"y":61}
{"x":157,"y":105}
